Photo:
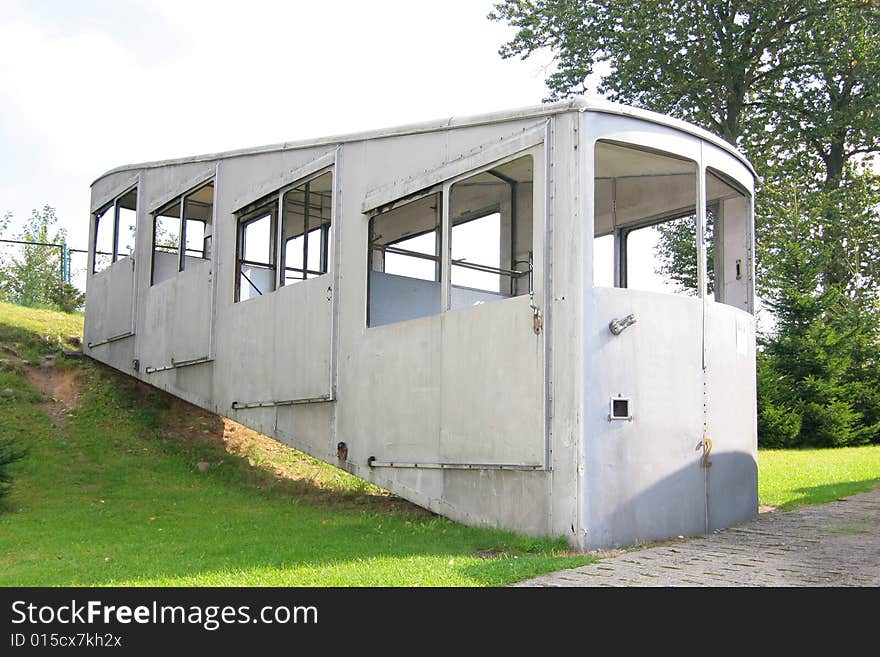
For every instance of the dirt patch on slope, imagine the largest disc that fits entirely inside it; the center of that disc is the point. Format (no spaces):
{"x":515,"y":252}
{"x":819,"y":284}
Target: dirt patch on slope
{"x":59,"y":385}
{"x":60,"y":388}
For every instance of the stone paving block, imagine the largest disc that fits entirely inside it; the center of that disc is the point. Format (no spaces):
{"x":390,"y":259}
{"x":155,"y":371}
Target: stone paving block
{"x":835,"y":544}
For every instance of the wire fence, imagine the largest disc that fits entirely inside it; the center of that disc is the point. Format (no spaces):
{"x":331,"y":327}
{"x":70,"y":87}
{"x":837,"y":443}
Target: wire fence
{"x":71,"y":263}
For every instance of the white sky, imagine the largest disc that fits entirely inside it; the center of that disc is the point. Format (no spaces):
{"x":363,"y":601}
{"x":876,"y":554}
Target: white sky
{"x":88,"y":85}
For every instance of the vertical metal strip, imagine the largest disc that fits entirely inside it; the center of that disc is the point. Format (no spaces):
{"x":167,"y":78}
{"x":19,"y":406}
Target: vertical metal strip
{"x":701,"y":282}
{"x":584,"y":162}
{"x":513,"y":281}
{"x":547,"y":301}
{"x":751,"y":254}
{"x":93,"y":246}
{"x":136,"y":266}
{"x":446,"y":247}
{"x":181,"y":230}
{"x":618,"y":277}
{"x":115,"y":249}
{"x":279,"y":228}
{"x":325,"y":236}
{"x":333,"y":265}
{"x":236,"y":283}
{"x":216,"y":262}
{"x":307,"y":199}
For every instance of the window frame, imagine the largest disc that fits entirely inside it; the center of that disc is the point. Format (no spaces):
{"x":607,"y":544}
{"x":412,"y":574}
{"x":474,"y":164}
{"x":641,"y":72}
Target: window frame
{"x":531,"y":152}
{"x":181,"y":266}
{"x":621,"y":273}
{"x":243,"y":220}
{"x":717,"y":292}
{"x":181,"y":225}
{"x":205,"y":238}
{"x":482,"y":213}
{"x":434,"y":190}
{"x":539,"y":252}
{"x":325,"y":227}
{"x":273,"y":203}
{"x":621,"y":233}
{"x":438,"y":247}
{"x":98,"y":215}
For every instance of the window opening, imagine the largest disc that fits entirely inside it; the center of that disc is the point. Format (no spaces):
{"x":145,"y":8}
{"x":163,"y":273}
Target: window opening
{"x":645,"y":224}
{"x":105,"y":220}
{"x":198,"y":213}
{"x":115,"y":230}
{"x":491,"y":234}
{"x":256,"y":254}
{"x":490,"y":241}
{"x":127,"y":225}
{"x":404,"y":262}
{"x":305,"y":229}
{"x":729,"y":243}
{"x":166,"y":242}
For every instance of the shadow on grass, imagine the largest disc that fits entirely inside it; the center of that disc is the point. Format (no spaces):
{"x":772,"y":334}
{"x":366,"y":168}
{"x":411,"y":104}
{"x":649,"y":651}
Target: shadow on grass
{"x":244,"y":457}
{"x":113,"y":495}
{"x":30,"y":345}
{"x":823,"y":493}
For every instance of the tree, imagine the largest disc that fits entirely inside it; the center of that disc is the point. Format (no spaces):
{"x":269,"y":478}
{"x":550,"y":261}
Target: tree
{"x":677,"y":257}
{"x":818,"y":372}
{"x":702,"y":61}
{"x":9,"y":454}
{"x":795,"y":85}
{"x":33,"y":276}
{"x":824,"y":121}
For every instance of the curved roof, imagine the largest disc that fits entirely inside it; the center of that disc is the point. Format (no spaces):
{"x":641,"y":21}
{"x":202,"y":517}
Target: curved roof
{"x":576,"y":104}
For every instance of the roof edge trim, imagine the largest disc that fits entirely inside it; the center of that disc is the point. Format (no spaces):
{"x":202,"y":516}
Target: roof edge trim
{"x":575,"y":104}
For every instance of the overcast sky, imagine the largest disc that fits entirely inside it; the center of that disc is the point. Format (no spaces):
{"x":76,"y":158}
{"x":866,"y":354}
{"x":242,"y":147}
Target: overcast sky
{"x":88,"y":85}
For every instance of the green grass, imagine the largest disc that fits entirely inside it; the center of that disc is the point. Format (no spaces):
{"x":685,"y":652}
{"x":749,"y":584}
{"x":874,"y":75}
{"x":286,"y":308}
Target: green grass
{"x":109,"y":494}
{"x":797,"y":477}
{"x":35,"y":331}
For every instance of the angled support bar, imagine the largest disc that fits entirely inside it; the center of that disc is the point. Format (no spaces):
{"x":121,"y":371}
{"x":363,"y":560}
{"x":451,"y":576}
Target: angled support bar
{"x":180,"y":363}
{"x":373,"y":463}
{"x":114,"y":338}
{"x":238,"y":406}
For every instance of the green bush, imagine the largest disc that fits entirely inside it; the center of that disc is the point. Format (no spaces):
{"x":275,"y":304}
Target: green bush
{"x":9,"y":454}
{"x":777,"y":426}
{"x":819,"y":372}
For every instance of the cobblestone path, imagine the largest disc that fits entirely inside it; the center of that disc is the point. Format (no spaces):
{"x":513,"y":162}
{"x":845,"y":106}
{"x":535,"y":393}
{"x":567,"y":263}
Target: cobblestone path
{"x":835,"y":544}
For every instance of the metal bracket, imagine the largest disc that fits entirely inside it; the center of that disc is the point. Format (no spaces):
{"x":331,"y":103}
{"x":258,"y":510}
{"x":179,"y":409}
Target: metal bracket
{"x":617,"y":326}
{"x":537,"y":320}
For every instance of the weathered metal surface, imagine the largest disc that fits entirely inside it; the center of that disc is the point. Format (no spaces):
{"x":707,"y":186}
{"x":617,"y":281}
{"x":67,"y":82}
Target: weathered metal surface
{"x":523,"y":411}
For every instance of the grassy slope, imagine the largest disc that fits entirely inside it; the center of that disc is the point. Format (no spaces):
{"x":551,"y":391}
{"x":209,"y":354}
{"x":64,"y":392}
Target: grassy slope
{"x":109,"y":495}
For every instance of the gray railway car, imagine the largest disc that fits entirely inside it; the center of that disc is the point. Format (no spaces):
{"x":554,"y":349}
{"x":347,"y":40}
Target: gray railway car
{"x":467,"y":312}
